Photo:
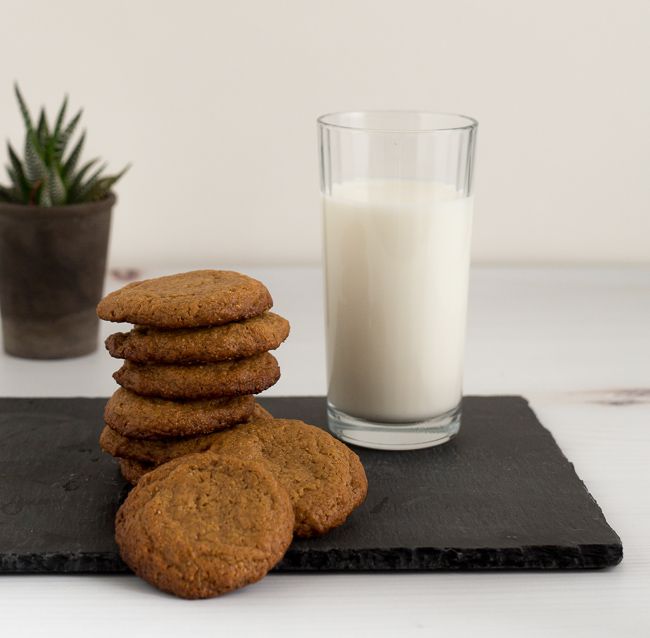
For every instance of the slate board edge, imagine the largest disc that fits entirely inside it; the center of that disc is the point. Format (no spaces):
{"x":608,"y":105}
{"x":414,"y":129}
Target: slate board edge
{"x":393,"y":560}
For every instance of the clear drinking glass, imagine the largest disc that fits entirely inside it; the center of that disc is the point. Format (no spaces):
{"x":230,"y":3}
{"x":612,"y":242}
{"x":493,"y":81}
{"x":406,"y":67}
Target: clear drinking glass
{"x":397,"y":215}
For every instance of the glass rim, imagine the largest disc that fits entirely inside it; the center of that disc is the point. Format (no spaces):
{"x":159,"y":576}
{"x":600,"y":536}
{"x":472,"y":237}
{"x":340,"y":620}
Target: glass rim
{"x":329,"y":120}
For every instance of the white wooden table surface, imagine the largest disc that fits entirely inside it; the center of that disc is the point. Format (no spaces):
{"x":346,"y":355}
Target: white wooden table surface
{"x":575,"y":342}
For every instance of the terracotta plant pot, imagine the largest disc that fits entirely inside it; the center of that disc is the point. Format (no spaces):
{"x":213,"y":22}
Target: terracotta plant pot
{"x":52,"y":264}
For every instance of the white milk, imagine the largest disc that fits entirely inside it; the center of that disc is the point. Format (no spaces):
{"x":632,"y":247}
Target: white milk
{"x":396,"y":265}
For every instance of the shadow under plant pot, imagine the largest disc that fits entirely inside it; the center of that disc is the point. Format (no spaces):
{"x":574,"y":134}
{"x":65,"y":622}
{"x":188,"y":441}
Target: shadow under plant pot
{"x":52,"y":265}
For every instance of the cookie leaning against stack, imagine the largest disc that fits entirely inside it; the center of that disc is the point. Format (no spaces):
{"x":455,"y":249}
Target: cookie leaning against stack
{"x":220,"y":484}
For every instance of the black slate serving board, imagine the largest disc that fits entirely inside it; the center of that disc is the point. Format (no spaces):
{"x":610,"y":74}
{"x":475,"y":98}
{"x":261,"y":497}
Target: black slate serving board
{"x":499,"y":496}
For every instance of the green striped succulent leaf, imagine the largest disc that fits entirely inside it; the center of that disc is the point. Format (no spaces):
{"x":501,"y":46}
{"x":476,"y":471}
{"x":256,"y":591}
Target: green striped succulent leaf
{"x":71,"y":163}
{"x":17,"y":174}
{"x":64,"y":136}
{"x":55,"y":187}
{"x":85,"y":189}
{"x":35,"y":168}
{"x":44,"y":176}
{"x":27,"y":118}
{"x":42,"y":132}
{"x":44,"y":197}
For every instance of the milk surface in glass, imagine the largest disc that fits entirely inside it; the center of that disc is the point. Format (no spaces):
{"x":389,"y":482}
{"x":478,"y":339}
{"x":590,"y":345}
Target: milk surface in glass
{"x":396,"y":267}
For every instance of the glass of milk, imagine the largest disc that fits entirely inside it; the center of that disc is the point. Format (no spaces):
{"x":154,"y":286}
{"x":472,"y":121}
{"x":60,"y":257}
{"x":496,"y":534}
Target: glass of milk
{"x":397,"y":217}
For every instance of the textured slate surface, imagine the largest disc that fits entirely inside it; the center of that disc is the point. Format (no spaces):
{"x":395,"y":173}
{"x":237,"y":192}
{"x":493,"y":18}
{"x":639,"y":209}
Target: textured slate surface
{"x":501,"y":495}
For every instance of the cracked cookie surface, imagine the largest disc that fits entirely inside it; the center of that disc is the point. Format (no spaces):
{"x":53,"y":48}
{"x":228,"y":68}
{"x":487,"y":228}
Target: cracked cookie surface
{"x":235,"y":340}
{"x":204,"y":380}
{"x":204,"y":525}
{"x":187,"y":300}
{"x":324,"y":478}
{"x":142,"y":417}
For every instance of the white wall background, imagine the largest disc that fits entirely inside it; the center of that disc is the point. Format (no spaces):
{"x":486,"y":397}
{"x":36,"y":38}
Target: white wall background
{"x":215,"y":102}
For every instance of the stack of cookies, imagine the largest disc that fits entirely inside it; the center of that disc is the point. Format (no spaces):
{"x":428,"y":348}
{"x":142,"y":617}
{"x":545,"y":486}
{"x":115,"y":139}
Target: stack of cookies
{"x":197,"y":354}
{"x":221,"y":487}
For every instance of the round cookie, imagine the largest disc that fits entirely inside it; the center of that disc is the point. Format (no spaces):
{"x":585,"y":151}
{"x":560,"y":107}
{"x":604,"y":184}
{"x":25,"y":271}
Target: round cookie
{"x":204,"y":525}
{"x":187,"y":300}
{"x":133,"y":471}
{"x":214,"y":343}
{"x":323,"y":477}
{"x":152,"y":418}
{"x":156,"y":452}
{"x":204,"y":380}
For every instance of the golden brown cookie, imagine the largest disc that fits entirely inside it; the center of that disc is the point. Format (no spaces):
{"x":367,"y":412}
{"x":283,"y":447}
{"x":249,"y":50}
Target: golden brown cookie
{"x":323,"y":477}
{"x":160,"y":451}
{"x":191,"y":345}
{"x":187,"y":300}
{"x":151,"y":418}
{"x":204,"y":525}
{"x":204,"y":380}
{"x":133,"y":471}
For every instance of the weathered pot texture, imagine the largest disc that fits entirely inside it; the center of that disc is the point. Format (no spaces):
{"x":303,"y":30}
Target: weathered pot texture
{"x":52,"y":265}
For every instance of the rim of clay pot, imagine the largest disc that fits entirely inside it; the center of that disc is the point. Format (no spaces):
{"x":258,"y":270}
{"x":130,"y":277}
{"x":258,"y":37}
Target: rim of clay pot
{"x":68,"y":209}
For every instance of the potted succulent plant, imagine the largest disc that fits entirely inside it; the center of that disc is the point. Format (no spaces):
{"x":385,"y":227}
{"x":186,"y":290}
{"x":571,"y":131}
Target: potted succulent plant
{"x":55,"y":217}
